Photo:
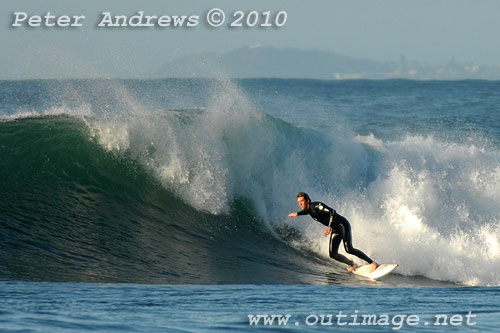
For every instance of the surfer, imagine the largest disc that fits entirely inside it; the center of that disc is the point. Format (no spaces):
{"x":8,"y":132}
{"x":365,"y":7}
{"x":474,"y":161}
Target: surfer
{"x":337,"y":226}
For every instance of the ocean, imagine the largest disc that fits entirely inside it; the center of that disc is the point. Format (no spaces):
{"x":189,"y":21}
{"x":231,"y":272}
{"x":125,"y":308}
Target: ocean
{"x":161,"y":205}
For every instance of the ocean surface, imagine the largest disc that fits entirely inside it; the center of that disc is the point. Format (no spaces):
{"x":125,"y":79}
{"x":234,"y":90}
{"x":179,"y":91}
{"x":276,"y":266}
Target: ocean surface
{"x":161,"y":205}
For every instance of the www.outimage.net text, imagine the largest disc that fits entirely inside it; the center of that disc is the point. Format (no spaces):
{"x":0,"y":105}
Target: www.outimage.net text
{"x":396,"y":321}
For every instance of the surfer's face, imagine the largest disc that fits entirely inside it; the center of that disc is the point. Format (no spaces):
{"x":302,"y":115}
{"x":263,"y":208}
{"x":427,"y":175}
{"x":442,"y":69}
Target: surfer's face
{"x":303,"y":203}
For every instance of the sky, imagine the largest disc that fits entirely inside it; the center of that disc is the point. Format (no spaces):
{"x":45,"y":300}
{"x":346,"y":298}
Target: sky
{"x":431,"y":31}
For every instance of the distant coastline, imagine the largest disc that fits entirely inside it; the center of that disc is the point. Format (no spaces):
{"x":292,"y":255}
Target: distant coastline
{"x":270,"y":62}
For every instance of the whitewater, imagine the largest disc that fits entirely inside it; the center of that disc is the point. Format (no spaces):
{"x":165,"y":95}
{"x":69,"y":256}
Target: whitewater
{"x":191,"y":181}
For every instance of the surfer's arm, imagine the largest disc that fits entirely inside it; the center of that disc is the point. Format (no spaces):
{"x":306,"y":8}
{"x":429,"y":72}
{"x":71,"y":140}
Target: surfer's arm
{"x":302,"y":212}
{"x":330,"y":222}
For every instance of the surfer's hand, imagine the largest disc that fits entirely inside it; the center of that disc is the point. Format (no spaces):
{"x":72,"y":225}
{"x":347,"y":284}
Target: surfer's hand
{"x":292,"y":214}
{"x":327,"y":231}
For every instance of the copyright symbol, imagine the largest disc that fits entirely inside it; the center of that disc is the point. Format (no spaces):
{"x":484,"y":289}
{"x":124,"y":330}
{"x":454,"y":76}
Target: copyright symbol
{"x":215,"y":17}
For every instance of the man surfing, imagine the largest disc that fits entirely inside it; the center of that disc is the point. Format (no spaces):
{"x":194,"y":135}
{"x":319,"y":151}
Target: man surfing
{"x":337,"y":226}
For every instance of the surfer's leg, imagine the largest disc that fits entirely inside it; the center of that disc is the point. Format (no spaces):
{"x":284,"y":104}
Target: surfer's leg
{"x":346,"y":227}
{"x":335,"y":240}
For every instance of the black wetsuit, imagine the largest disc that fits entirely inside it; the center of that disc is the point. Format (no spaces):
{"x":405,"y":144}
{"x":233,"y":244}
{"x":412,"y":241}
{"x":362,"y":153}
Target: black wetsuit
{"x":341,"y":230}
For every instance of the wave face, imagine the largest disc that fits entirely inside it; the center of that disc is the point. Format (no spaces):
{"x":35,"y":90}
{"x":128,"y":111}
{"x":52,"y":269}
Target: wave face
{"x":190,"y":181}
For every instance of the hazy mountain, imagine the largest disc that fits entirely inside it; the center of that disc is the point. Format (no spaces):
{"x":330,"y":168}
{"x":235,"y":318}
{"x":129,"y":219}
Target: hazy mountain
{"x":266,"y":62}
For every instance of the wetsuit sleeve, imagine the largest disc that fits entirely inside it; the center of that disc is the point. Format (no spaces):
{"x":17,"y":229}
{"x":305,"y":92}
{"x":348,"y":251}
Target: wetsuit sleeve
{"x":303,"y":212}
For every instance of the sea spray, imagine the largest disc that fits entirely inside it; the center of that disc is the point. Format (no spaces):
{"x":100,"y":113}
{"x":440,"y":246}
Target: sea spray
{"x":227,"y":149}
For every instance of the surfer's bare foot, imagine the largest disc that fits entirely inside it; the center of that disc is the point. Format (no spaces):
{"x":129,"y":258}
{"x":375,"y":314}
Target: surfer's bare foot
{"x":373,"y":266}
{"x":353,"y":267}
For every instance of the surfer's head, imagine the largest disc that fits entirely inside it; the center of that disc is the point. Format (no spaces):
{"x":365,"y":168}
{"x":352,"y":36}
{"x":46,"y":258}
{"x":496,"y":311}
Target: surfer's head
{"x":303,"y":200}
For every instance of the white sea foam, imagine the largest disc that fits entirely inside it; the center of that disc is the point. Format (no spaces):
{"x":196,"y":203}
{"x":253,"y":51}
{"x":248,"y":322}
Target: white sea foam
{"x":433,"y":209}
{"x":371,"y":140}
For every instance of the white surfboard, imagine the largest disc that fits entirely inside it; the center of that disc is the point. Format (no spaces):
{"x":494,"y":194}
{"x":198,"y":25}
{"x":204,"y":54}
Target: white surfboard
{"x":381,"y":270}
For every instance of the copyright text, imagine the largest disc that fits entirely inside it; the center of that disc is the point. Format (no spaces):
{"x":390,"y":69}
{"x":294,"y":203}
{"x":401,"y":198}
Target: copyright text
{"x":213,"y":18}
